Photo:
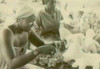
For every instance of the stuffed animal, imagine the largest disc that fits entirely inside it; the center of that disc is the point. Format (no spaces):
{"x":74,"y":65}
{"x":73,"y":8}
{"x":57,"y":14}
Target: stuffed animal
{"x":73,"y":52}
{"x":78,"y":38}
{"x":87,"y":59}
{"x":64,"y":33}
{"x":74,"y":44}
{"x":91,"y":45}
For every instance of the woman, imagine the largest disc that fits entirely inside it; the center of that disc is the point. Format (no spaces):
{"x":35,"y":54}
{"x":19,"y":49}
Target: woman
{"x":48,"y":21}
{"x":17,"y":35}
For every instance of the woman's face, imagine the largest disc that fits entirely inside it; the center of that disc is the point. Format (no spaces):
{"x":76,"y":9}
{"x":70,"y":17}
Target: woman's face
{"x":27,"y":23}
{"x":51,"y":4}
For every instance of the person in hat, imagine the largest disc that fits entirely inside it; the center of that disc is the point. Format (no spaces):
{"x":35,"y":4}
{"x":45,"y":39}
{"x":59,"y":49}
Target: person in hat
{"x":17,"y":35}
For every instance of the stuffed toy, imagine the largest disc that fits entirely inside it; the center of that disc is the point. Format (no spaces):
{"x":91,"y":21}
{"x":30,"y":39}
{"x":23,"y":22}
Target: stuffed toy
{"x":90,"y":45}
{"x":64,"y":33}
{"x":87,"y":59}
{"x":73,"y":47}
{"x":73,"y":52}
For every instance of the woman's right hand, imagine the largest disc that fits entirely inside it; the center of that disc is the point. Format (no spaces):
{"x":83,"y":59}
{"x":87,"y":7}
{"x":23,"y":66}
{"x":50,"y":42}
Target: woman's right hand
{"x":46,"y":50}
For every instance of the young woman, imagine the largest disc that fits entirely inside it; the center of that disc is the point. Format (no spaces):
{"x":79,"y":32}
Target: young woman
{"x":48,"y":21}
{"x":16,"y":36}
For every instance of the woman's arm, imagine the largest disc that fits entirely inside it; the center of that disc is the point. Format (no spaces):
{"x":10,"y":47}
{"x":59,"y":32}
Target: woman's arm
{"x":34,"y":39}
{"x":9,"y":52}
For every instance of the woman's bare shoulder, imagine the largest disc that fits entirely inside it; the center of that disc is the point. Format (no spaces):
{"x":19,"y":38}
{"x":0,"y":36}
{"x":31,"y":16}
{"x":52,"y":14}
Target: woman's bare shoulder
{"x":5,"y":32}
{"x":5,"y":29}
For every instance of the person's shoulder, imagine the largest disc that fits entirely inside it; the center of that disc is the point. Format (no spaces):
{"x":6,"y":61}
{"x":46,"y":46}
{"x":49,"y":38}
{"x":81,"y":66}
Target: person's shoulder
{"x":6,"y":31}
{"x":6,"y":34}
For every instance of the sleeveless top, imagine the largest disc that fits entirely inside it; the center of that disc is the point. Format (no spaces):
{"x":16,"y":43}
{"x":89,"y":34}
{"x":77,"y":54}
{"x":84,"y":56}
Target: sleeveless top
{"x":19,"y":51}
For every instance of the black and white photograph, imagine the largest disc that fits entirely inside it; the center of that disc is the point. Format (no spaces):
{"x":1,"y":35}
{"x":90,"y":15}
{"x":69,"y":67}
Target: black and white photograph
{"x":49,"y":34}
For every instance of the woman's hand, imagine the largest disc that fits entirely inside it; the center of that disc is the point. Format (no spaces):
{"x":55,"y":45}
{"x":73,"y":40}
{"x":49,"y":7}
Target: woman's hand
{"x":60,"y":45}
{"x":47,"y":50}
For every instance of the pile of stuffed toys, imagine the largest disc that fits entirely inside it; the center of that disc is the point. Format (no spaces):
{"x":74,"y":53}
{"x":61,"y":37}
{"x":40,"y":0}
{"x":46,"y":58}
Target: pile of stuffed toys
{"x":83,"y":49}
